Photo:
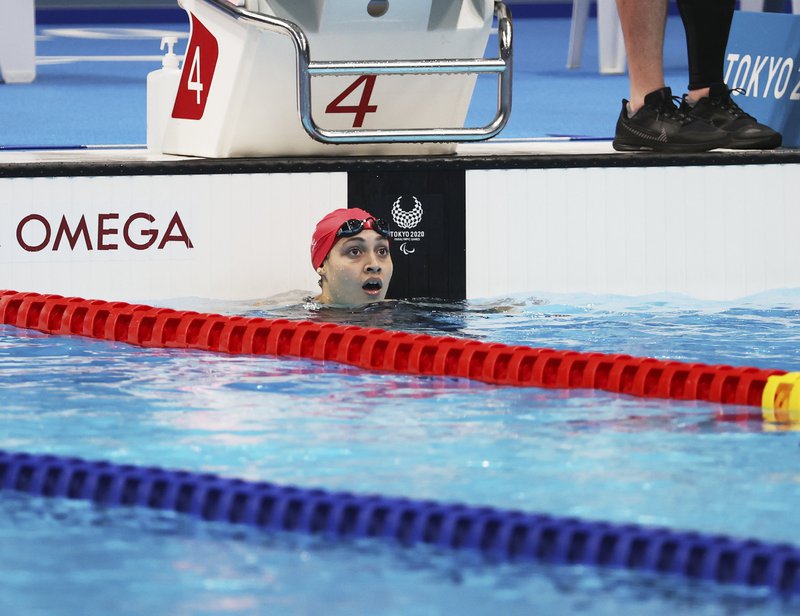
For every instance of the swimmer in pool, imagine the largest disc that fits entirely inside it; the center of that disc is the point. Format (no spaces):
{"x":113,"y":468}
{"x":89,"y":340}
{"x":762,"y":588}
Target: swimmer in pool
{"x":350,"y":252}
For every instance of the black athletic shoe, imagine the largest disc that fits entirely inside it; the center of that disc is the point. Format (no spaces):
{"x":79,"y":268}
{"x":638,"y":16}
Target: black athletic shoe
{"x":719,"y":109}
{"x":660,"y":126}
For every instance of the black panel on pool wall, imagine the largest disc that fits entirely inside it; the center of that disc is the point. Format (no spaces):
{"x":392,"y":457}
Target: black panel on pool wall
{"x":426,"y":211}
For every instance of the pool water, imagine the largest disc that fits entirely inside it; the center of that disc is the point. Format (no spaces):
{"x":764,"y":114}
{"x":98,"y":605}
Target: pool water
{"x":685,"y":465}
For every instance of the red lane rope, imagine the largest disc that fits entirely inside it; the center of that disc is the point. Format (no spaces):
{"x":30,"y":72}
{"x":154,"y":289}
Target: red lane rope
{"x":377,"y":349}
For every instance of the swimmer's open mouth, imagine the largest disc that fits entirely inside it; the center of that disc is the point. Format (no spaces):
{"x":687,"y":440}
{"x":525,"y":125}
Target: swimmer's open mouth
{"x":372,"y":286}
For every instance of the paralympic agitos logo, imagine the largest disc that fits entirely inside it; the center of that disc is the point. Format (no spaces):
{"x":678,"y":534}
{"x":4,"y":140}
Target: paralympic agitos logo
{"x":408,"y":220}
{"x":103,"y":231}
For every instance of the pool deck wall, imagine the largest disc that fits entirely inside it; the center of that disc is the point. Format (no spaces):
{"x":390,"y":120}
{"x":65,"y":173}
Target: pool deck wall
{"x":528,"y":217}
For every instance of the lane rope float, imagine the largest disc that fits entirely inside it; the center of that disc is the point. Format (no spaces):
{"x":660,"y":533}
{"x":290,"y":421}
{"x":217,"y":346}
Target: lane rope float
{"x":776,"y":392}
{"x":499,"y":535}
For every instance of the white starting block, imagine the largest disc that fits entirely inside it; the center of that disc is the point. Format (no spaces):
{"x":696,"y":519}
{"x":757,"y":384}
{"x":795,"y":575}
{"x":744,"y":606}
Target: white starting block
{"x":17,"y":41}
{"x":334,"y":77}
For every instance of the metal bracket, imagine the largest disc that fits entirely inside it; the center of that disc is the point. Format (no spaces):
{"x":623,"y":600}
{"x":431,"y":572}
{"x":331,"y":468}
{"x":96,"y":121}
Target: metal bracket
{"x":306,"y":69}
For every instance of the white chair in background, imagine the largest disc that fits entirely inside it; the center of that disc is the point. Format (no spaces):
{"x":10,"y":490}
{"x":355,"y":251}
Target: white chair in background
{"x":758,"y":5}
{"x":610,"y":44}
{"x":17,"y":41}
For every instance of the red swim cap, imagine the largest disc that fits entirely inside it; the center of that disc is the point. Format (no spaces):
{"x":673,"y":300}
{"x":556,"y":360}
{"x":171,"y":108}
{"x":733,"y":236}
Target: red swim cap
{"x":325,"y":234}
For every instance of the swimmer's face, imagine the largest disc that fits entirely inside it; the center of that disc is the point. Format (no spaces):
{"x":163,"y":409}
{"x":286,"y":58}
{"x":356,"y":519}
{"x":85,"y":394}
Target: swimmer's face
{"x":357,"y":270}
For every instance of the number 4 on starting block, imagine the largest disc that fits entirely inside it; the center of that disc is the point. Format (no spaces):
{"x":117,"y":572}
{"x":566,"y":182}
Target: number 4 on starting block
{"x":198,"y":73}
{"x":363,"y":107}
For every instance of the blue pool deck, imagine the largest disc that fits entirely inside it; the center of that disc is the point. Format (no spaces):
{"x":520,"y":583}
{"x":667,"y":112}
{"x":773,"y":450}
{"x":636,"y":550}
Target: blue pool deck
{"x":90,"y":86}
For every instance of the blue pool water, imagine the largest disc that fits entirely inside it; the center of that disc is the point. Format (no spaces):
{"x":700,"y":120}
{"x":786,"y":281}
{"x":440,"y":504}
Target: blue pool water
{"x":685,"y":465}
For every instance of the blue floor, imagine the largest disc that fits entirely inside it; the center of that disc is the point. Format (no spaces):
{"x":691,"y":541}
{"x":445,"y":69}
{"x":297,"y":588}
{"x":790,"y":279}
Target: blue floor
{"x":75,"y":101}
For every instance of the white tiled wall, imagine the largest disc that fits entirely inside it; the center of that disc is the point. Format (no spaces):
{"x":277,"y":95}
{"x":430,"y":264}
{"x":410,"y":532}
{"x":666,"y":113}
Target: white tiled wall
{"x":708,"y":232}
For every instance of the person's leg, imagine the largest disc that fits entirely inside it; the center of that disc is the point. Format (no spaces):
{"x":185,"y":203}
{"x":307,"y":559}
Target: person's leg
{"x":650,"y":121}
{"x":643,"y":23}
{"x":707,"y":24}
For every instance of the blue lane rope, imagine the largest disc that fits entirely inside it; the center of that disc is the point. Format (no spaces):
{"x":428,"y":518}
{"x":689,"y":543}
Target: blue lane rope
{"x":500,"y":535}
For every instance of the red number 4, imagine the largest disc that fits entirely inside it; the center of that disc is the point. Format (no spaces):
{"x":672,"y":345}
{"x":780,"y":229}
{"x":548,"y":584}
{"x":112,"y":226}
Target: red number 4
{"x":363,"y":107}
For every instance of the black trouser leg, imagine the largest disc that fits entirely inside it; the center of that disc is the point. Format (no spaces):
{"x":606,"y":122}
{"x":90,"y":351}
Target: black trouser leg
{"x":707,"y":24}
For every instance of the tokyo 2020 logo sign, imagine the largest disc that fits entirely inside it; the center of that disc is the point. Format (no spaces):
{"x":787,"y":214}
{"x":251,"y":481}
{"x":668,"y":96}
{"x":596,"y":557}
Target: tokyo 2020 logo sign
{"x":407,"y":219}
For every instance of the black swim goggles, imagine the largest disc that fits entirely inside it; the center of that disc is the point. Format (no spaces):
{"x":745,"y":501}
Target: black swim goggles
{"x":354,"y":226}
